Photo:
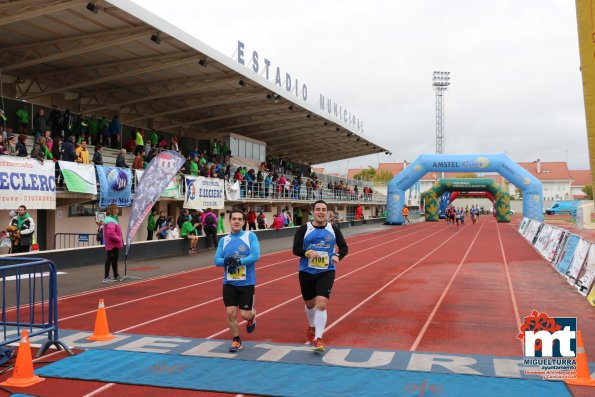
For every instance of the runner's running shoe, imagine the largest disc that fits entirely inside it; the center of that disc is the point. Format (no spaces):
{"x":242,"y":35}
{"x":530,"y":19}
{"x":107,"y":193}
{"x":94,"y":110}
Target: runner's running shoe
{"x":310,"y":334}
{"x":318,"y":345}
{"x":236,"y":346}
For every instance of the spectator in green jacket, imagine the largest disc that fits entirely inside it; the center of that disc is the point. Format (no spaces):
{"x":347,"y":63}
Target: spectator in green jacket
{"x":153,"y":138}
{"x":23,"y":116}
{"x":151,"y":223}
{"x":220,"y":223}
{"x":188,"y":232}
{"x":194,"y":166}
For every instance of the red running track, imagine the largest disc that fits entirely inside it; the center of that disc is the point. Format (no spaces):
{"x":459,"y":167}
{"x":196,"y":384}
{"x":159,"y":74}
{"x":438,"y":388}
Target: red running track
{"x":424,"y":287}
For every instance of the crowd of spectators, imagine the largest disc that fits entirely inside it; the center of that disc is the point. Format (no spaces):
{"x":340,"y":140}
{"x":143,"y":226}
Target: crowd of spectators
{"x":65,"y":136}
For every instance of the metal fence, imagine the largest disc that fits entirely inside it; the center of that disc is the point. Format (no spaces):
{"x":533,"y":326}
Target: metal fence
{"x":29,"y":301}
{"x":74,"y":240}
{"x":274,"y":191}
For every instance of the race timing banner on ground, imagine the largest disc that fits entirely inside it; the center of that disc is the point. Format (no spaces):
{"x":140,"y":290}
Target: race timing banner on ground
{"x":115,"y":186}
{"x":155,"y":178}
{"x":79,"y":178}
{"x":27,"y":182}
{"x":204,"y":192}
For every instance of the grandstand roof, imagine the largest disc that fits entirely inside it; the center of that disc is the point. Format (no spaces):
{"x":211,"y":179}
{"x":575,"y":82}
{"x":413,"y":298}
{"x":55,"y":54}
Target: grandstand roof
{"x":124,"y":59}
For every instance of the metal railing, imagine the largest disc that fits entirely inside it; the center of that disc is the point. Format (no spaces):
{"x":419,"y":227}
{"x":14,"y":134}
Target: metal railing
{"x":274,"y":191}
{"x":74,"y":240}
{"x":29,"y":301}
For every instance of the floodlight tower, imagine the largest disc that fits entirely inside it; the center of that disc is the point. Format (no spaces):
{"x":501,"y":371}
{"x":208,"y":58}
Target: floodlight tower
{"x":440,"y":83}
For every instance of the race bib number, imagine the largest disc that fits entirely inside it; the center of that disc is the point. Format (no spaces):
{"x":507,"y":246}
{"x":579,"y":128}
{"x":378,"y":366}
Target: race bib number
{"x":238,"y":274}
{"x":321,"y":262}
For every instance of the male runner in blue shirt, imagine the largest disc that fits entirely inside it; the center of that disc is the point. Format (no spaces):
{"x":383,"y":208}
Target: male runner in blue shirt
{"x":315,"y":243}
{"x":238,"y":253}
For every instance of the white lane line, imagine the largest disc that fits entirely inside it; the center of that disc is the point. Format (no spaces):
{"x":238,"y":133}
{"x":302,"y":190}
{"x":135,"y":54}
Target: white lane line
{"x":435,"y":309}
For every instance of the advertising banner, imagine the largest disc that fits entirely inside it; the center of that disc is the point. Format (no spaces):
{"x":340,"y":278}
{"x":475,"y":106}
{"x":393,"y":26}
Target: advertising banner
{"x":172,"y":190}
{"x":204,"y":192}
{"x":587,"y":273}
{"x":153,"y":181}
{"x":232,"y":190}
{"x":568,"y":253}
{"x":578,"y":260}
{"x":115,"y":186}
{"x":79,"y":178}
{"x":27,"y":182}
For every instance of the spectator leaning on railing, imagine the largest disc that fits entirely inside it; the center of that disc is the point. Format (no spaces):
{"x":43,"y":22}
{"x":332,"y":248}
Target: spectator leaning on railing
{"x":98,"y":156}
{"x":82,"y":154}
{"x":21,"y":147}
{"x":121,"y":159}
{"x":68,"y":152}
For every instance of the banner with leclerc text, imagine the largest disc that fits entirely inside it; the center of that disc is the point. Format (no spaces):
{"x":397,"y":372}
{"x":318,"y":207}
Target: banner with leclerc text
{"x":115,"y":186}
{"x":79,"y":178}
{"x":204,"y":192}
{"x":27,"y":182}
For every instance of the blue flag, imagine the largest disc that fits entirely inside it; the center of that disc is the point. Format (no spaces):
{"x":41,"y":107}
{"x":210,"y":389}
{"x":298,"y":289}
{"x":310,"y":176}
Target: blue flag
{"x":115,"y":186}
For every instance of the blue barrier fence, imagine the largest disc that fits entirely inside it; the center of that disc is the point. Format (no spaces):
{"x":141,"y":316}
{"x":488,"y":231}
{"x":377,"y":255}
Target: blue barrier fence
{"x":29,"y":301}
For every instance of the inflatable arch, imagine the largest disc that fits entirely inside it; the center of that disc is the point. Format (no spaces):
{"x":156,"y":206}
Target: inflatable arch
{"x":500,"y":163}
{"x":499,"y":196}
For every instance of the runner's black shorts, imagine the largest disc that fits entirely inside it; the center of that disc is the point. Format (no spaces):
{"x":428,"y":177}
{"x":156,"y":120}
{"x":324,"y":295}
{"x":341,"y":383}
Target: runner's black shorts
{"x":242,"y":297}
{"x":319,"y":284}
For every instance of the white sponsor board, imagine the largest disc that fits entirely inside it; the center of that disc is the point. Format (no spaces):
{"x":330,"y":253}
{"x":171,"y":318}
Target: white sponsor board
{"x":27,"y":182}
{"x":204,"y":192}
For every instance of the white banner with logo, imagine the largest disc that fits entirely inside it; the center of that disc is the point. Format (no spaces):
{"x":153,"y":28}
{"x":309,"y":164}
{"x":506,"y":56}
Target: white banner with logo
{"x":232,"y":190}
{"x":27,"y":182}
{"x":204,"y":192}
{"x":79,"y":178}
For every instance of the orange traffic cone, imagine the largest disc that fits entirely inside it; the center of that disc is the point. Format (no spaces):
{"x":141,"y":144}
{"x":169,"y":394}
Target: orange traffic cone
{"x":23,"y":375}
{"x":583,"y":375}
{"x":101,"y":331}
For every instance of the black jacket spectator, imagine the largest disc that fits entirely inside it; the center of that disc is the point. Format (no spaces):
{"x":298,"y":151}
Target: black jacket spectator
{"x":20,"y":146}
{"x":57,"y":149}
{"x":39,"y":122}
{"x":182,"y":218}
{"x":54,"y":119}
{"x":97,"y":156}
{"x":121,"y":161}
{"x":68,"y":153}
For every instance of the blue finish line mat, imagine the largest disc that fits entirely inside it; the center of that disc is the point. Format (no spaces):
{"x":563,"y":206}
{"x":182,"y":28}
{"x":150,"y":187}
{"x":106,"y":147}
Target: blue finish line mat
{"x":281,"y":379}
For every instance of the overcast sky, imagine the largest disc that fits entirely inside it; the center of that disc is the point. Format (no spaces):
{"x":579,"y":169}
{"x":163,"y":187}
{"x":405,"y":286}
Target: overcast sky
{"x":515,"y":80}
